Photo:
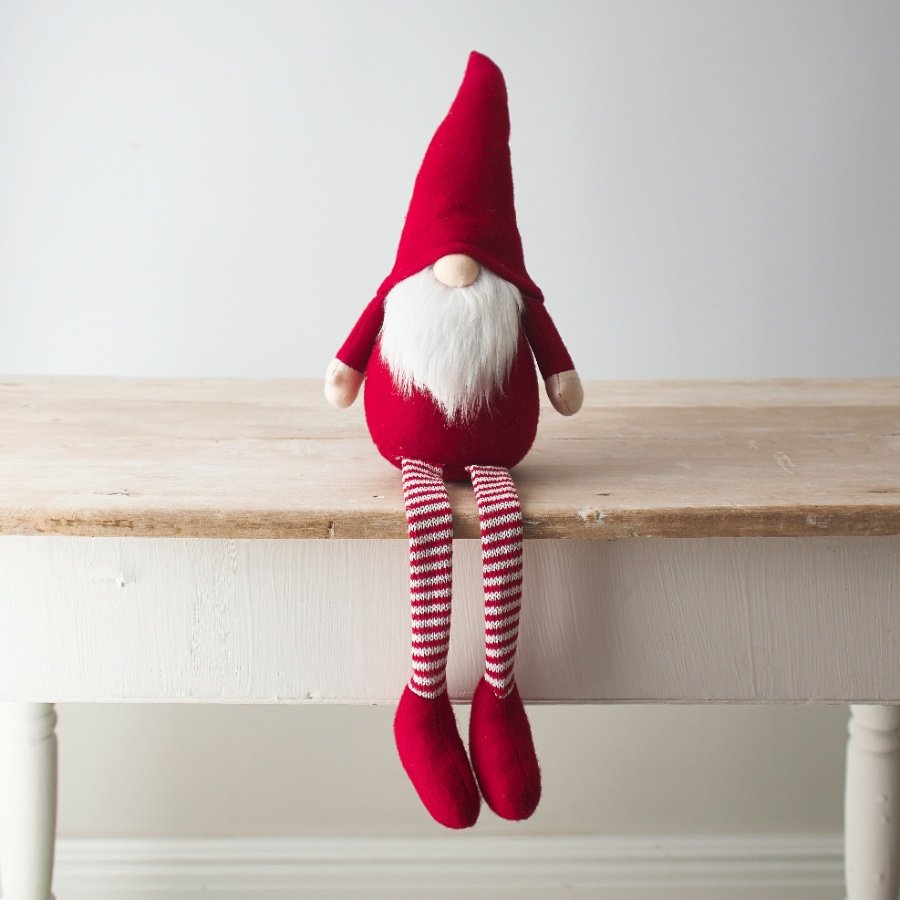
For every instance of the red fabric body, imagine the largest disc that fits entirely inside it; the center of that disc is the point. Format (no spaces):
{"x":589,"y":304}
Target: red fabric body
{"x":462,"y":202}
{"x":503,"y":754}
{"x":414,"y":426}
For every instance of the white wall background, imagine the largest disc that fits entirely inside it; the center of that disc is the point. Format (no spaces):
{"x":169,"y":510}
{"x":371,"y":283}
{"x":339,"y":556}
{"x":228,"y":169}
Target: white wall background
{"x":705,"y":189}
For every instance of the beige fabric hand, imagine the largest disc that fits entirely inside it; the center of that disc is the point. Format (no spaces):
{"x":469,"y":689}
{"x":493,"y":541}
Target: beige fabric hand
{"x":342,"y":384}
{"x":565,"y":392}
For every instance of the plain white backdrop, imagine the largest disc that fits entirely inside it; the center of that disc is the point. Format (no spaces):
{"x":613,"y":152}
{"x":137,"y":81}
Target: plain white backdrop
{"x":705,"y":189}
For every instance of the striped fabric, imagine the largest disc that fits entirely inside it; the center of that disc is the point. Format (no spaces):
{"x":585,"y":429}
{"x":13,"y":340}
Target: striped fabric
{"x":501,"y":554}
{"x":430,"y":574}
{"x":430,"y":522}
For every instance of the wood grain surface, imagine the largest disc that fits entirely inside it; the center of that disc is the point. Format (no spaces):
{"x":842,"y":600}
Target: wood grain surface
{"x":270,"y":459}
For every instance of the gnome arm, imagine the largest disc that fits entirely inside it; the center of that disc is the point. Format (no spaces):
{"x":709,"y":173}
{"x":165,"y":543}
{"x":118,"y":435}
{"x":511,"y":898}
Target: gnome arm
{"x":345,"y":373}
{"x":560,"y":378}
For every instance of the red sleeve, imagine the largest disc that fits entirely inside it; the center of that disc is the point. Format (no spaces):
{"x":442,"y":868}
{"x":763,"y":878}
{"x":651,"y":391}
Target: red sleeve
{"x":357,"y":349}
{"x":548,"y":347}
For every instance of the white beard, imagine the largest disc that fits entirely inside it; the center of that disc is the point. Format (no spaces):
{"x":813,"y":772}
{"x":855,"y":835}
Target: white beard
{"x":458,"y":344}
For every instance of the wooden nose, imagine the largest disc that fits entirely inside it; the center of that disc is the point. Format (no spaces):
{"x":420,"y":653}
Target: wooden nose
{"x":456,"y":270}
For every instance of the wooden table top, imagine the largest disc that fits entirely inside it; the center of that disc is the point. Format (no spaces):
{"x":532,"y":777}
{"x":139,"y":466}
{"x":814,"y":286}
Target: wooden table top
{"x":270,"y":459}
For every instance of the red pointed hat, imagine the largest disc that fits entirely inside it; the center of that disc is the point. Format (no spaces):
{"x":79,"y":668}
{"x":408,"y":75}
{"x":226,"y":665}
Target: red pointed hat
{"x":462,"y":201}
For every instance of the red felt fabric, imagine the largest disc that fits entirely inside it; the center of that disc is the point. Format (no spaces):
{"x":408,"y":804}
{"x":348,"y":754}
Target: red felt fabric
{"x":356,"y":350}
{"x":462,"y":200}
{"x":433,"y":755}
{"x":413,"y":426}
{"x":502,"y":751}
{"x":549,"y":350}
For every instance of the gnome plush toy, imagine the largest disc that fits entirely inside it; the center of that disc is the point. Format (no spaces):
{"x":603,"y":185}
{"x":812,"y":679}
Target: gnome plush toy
{"x":445,"y":348}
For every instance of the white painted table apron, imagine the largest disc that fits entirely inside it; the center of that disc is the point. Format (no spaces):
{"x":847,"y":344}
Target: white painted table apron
{"x":118,"y":582}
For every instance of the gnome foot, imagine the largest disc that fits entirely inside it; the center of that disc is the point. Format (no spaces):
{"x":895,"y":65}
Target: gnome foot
{"x":435,"y":760}
{"x":503,"y":753}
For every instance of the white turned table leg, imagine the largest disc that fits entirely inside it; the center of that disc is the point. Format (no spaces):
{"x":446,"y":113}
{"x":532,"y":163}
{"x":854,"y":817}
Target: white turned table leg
{"x":872,"y":804}
{"x":27,"y":800}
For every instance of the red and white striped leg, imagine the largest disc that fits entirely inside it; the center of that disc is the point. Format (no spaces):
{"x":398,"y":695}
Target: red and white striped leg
{"x":500,"y":740}
{"x":501,"y":554}
{"x":430,"y":574}
{"x":425,"y":730}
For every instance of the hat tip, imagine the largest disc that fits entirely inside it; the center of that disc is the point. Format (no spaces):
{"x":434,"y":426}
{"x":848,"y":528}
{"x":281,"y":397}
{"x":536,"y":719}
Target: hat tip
{"x":481,"y":59}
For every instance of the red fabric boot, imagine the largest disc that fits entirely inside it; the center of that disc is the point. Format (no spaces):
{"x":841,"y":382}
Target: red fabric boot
{"x":503,"y":754}
{"x":435,"y":760}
